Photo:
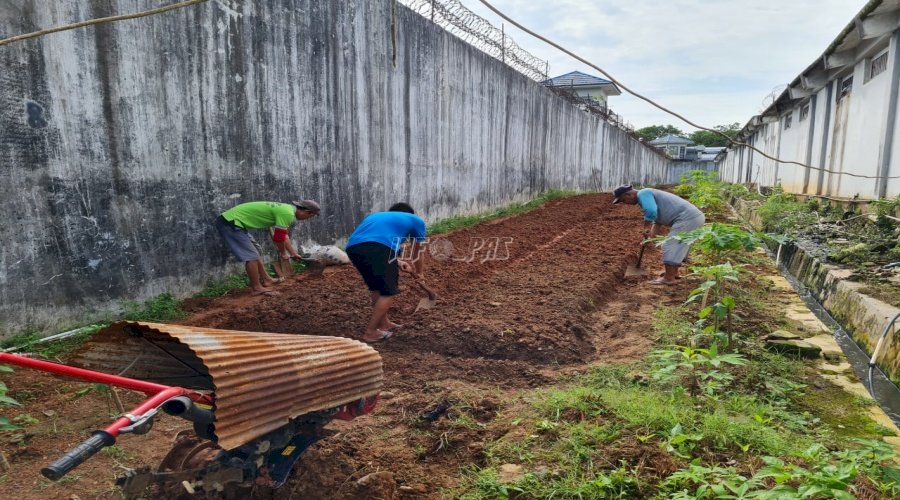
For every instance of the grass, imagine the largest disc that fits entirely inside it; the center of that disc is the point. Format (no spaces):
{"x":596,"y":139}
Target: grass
{"x":53,"y":349}
{"x":162,"y":308}
{"x":116,"y":453}
{"x":572,"y":440}
{"x":219,"y":287}
{"x":464,"y":221}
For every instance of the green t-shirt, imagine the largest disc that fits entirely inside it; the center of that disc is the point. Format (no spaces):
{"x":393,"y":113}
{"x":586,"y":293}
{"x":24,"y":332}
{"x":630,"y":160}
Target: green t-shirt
{"x":261,"y":215}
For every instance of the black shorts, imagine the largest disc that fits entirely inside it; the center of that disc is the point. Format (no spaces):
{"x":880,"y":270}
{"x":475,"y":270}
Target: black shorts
{"x":377,"y":264}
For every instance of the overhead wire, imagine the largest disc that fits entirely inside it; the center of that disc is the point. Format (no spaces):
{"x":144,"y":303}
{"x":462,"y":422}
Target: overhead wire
{"x":487,"y":4}
{"x":101,"y":20}
{"x":665,"y":109}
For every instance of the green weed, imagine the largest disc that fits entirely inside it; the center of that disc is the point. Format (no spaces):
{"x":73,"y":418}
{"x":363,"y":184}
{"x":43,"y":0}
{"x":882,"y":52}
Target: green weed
{"x":782,"y":213}
{"x":116,"y":453}
{"x":26,"y":419}
{"x":463,"y":221}
{"x":219,"y":287}
{"x":704,"y":190}
{"x":162,"y":308}
{"x":28,"y":341}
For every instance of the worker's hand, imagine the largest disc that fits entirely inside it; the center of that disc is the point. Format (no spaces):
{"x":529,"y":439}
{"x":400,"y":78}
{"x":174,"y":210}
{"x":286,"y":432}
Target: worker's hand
{"x":406,"y":267}
{"x":297,"y":257}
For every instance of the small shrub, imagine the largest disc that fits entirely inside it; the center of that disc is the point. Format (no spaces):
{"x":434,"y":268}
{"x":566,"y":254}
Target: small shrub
{"x":162,"y":308}
{"x":782,"y":213}
{"x":704,"y":190}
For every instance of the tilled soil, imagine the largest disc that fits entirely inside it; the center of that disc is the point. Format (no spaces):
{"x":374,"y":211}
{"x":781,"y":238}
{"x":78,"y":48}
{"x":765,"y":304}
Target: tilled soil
{"x":522,"y":301}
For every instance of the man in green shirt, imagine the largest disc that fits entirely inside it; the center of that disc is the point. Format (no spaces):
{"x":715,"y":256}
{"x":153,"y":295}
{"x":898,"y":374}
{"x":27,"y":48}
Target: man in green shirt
{"x":233,"y":225}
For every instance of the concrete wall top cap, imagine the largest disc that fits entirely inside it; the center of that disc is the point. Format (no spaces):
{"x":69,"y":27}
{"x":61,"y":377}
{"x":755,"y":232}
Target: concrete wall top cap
{"x":308,"y":205}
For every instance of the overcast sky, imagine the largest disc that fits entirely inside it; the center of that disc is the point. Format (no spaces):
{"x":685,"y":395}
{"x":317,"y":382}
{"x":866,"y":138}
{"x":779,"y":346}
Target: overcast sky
{"x":713,"y":61}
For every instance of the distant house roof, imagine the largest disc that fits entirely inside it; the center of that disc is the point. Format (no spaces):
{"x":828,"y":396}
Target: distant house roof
{"x":670,"y":139}
{"x":577,"y":79}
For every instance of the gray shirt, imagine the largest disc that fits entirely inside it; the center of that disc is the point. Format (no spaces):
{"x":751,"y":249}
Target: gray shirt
{"x":666,"y":208}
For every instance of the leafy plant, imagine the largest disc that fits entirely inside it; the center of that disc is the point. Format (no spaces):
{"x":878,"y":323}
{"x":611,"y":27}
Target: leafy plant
{"x":698,"y":367}
{"x":783,"y":214}
{"x":718,"y":241}
{"x":715,"y":281}
{"x":702,"y":189}
{"x":697,"y":481}
{"x":679,"y":442}
{"x":5,"y":424}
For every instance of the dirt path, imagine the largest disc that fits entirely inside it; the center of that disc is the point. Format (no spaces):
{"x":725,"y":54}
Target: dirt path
{"x":552,"y":305}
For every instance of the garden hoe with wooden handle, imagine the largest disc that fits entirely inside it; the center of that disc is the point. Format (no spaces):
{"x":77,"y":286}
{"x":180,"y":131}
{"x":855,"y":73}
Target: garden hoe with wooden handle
{"x":635,"y":270}
{"x":283,"y":267}
{"x":431,"y":298}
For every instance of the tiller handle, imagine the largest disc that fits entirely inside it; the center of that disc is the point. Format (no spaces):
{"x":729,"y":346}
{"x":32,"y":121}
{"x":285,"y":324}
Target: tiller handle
{"x":77,"y":455}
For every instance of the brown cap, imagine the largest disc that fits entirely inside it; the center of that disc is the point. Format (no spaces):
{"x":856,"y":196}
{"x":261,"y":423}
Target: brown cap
{"x":308,"y":205}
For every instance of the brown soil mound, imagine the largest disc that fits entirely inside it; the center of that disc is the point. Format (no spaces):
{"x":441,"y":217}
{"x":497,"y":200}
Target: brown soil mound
{"x":554,"y":303}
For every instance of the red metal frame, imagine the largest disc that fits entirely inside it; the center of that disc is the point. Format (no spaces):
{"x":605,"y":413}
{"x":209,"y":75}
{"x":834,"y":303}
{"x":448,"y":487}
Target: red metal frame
{"x":158,"y":393}
{"x":353,"y":410}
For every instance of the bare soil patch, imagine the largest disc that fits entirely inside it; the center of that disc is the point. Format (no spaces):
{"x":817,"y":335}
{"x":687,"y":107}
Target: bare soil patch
{"x":556,"y":304}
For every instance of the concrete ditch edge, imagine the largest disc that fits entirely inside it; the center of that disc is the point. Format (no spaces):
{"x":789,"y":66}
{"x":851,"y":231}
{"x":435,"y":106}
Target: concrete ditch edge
{"x":862,"y":316}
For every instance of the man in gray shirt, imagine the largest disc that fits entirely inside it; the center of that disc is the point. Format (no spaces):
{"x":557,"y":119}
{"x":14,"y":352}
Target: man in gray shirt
{"x":664,"y":209}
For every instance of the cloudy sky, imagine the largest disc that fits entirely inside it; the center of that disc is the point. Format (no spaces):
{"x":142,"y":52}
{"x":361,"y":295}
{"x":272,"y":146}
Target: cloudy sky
{"x":712,"y":60}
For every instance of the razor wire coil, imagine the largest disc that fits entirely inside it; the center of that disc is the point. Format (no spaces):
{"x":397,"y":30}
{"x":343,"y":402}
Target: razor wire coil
{"x":458,"y":20}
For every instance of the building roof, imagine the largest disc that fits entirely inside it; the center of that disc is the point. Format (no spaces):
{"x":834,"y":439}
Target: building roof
{"x":876,"y":19}
{"x":577,"y":79}
{"x":670,"y":139}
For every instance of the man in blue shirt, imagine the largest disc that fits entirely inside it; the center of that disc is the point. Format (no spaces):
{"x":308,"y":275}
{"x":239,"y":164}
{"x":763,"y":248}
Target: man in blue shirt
{"x":664,"y":209}
{"x":374,"y":249}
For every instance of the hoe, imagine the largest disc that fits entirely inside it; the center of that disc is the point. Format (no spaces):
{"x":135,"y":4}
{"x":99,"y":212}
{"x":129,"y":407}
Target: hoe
{"x":257,"y":401}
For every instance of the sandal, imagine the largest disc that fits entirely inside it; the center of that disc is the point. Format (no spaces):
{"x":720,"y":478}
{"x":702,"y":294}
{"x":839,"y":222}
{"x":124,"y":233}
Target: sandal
{"x":384,"y":336}
{"x":271,"y":293}
{"x":662,"y":281}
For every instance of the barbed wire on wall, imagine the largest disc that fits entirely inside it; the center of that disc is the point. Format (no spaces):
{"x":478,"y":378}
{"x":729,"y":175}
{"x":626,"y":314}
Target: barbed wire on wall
{"x":458,"y":20}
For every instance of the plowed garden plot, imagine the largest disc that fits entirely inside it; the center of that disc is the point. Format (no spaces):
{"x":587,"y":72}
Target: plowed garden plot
{"x":555,"y":303}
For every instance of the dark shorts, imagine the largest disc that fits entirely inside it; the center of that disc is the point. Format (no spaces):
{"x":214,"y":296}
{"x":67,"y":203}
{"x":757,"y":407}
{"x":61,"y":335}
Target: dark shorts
{"x":239,"y":240}
{"x":378,"y":266}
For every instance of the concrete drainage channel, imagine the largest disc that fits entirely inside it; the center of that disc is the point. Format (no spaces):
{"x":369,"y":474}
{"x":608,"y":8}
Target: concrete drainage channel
{"x":882,"y":390}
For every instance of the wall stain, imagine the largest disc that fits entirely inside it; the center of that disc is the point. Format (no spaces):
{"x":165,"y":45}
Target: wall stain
{"x":146,"y":138}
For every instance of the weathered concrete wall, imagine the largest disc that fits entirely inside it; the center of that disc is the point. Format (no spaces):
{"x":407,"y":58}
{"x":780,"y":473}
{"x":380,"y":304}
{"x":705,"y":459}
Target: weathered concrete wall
{"x":120,"y":143}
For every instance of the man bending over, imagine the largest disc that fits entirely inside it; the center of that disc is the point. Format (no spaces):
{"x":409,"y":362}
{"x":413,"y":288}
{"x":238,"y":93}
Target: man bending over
{"x":233,"y":225}
{"x":664,"y":209}
{"x":374,"y":250}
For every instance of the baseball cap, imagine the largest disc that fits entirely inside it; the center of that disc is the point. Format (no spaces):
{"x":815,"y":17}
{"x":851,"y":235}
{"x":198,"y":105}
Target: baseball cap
{"x":308,"y":205}
{"x":617,"y":194}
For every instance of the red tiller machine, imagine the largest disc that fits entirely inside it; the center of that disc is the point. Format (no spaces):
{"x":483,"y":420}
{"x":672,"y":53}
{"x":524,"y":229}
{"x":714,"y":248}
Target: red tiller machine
{"x":257,"y":401}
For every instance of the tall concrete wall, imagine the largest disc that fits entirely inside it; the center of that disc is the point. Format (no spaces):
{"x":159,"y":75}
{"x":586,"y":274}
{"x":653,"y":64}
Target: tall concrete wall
{"x":120,"y":143}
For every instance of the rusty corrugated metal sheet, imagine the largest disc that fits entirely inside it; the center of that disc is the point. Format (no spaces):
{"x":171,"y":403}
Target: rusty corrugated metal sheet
{"x":261,"y":380}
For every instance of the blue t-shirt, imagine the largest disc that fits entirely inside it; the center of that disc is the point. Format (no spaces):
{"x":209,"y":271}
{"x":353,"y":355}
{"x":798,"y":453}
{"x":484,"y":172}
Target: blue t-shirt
{"x":388,"y":228}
